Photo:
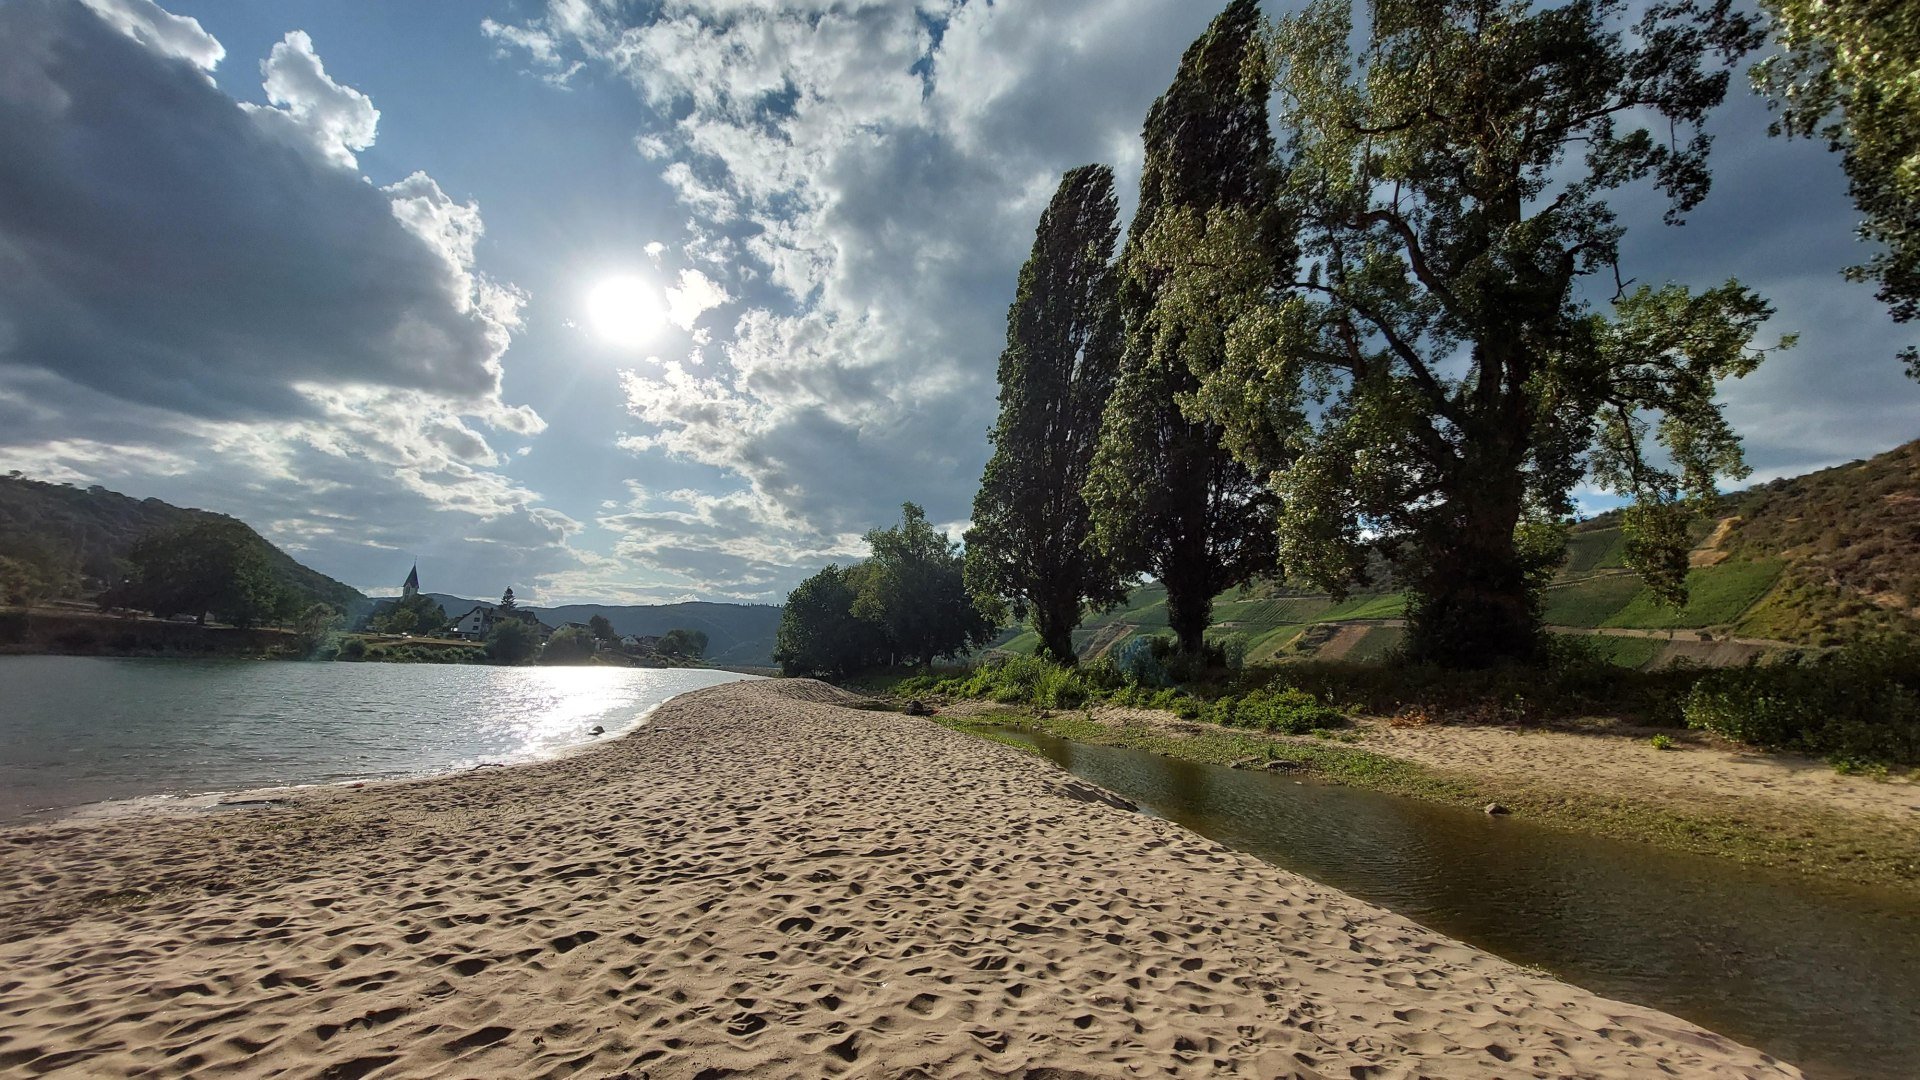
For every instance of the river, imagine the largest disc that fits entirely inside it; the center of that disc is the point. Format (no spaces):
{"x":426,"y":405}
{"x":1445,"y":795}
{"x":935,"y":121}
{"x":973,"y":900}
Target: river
{"x":1822,"y":975}
{"x":80,"y":730}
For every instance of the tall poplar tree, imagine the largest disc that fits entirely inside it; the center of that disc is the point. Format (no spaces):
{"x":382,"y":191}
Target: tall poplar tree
{"x":1432,"y":377}
{"x":1028,"y":544}
{"x":1167,"y":497}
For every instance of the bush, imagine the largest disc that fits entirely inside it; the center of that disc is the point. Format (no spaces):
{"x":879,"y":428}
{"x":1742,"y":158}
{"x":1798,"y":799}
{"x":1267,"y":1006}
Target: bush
{"x":1138,"y":661}
{"x":1287,"y":710}
{"x":353,"y":648}
{"x":568,"y":645}
{"x":1860,"y":704}
{"x":1662,"y":742}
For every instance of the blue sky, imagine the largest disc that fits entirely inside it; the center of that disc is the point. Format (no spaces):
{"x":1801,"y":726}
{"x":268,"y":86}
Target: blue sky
{"x":224,"y":282}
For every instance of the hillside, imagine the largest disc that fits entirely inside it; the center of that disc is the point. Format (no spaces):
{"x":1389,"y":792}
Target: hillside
{"x":737,"y":634}
{"x":59,"y":541}
{"x":1814,"y":560}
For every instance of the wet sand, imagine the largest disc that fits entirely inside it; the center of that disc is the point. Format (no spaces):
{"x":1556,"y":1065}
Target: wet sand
{"x":763,"y":882}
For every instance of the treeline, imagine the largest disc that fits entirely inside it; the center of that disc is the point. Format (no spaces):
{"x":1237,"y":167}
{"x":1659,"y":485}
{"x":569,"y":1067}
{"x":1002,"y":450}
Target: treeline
{"x":907,"y":602}
{"x":1358,"y":322}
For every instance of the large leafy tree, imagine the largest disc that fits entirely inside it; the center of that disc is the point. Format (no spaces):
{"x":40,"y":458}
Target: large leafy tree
{"x":1848,"y":71}
{"x":914,"y":589}
{"x":1028,"y":544}
{"x":691,"y":644}
{"x":1439,"y":368}
{"x":215,"y":566}
{"x":1167,"y":497}
{"x":820,"y":635}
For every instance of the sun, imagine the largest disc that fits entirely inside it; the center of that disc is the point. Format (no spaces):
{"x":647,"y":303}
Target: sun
{"x":625,"y":311}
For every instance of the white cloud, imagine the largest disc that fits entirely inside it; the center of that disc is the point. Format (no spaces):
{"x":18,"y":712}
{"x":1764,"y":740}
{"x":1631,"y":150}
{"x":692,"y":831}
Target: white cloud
{"x":162,"y":31}
{"x":310,"y":107}
{"x":695,"y":295}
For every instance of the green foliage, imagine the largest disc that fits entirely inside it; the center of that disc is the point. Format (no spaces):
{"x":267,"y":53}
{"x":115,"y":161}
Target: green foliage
{"x":62,"y":541}
{"x":352,"y":648}
{"x":211,"y":566}
{"x":1166,"y":495}
{"x":416,"y":614}
{"x":914,"y":588}
{"x":1028,"y":544}
{"x":1446,"y":176}
{"x":1286,"y":710}
{"x":1138,"y":663}
{"x":603,"y":630}
{"x":820,"y":635}
{"x":1861,"y":703}
{"x":1844,"y":72}
{"x":1662,"y":742}
{"x":568,"y":645}
{"x":1589,"y":602}
{"x":512,"y":641}
{"x":1716,"y":595}
{"x":507,"y":602}
{"x":315,"y":627}
{"x":685,"y":644}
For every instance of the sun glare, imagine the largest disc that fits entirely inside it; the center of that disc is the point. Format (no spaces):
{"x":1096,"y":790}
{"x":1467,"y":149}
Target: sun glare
{"x":625,"y":311}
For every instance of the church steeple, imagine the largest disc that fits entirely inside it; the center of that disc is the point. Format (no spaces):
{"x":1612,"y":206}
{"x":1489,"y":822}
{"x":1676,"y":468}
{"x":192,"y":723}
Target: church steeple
{"x":412,"y":586}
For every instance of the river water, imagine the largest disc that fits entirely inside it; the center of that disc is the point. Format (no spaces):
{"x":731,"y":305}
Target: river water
{"x":79,"y":730}
{"x":1824,"y":976}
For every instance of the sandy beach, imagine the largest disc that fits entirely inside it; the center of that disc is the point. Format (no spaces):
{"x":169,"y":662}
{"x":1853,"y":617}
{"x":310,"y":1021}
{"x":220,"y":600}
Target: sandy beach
{"x":760,"y":881}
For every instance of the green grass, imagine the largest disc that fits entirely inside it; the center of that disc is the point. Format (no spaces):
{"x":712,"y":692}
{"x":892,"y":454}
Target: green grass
{"x":1378,"y":643}
{"x":1595,"y":549}
{"x":1716,"y":595}
{"x":1391,"y":606}
{"x":1631,"y":652}
{"x":1590,"y":602}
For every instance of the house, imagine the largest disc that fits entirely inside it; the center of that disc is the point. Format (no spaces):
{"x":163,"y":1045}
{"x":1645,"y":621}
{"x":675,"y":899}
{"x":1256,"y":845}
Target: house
{"x":640,"y":644}
{"x":476,"y":624}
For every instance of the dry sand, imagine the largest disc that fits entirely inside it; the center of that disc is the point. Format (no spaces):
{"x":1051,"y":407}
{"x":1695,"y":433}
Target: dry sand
{"x":759,"y":882}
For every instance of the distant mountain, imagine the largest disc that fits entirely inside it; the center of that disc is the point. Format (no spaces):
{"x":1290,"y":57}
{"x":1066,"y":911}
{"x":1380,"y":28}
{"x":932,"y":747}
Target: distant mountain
{"x":73,"y":542}
{"x":737,"y":634}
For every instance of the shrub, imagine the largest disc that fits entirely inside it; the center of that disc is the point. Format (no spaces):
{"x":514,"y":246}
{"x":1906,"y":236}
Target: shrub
{"x":1287,"y":710}
{"x":1860,"y":704}
{"x":353,"y":648}
{"x":1232,"y":649}
{"x":1662,"y":742}
{"x":1138,"y":662}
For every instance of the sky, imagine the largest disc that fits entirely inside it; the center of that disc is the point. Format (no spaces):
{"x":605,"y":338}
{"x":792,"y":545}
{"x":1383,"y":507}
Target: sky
{"x":637,"y":301}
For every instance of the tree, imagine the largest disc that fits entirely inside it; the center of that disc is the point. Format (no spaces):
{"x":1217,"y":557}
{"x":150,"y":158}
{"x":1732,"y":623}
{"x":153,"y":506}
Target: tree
{"x":511,"y":641}
{"x":601,"y":628}
{"x":507,"y":602}
{"x":416,"y":614}
{"x":215,"y":566}
{"x":1428,"y":382}
{"x":691,"y":644}
{"x":820,"y":635}
{"x":1031,"y":527}
{"x":1845,"y":73}
{"x":914,"y":588}
{"x":315,"y":625}
{"x":1166,"y":496}
{"x":568,"y":645}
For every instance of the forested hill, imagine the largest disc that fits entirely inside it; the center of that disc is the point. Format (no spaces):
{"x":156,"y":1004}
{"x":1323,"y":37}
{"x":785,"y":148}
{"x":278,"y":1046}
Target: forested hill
{"x":737,"y":634}
{"x":60,"y":541}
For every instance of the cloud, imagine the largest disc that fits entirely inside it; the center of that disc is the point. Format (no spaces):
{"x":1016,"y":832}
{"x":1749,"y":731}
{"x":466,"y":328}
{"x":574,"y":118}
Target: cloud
{"x":203,"y":300}
{"x":335,"y":120}
{"x":695,"y":295}
{"x":864,"y":178}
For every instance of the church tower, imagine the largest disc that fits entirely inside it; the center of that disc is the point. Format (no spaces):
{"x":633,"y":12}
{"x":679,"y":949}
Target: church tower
{"x":412,"y":587}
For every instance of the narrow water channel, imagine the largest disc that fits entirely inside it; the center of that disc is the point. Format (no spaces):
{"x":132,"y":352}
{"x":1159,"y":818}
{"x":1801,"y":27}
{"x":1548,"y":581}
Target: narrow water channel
{"x":1824,"y":976}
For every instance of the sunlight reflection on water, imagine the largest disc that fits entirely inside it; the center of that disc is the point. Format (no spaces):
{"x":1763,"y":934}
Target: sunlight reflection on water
{"x":78,"y":730}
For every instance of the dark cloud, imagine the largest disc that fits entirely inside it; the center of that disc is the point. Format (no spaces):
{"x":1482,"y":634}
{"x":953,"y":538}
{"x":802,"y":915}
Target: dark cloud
{"x":163,"y":245}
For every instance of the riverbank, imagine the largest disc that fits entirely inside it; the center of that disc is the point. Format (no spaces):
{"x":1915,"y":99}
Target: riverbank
{"x":763,"y":881}
{"x":1702,"y":796}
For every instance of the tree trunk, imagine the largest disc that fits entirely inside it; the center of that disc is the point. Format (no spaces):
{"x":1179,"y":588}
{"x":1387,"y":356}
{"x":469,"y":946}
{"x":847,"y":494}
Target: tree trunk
{"x":1055,"y":627}
{"x":1189,"y":607}
{"x":1473,"y":604}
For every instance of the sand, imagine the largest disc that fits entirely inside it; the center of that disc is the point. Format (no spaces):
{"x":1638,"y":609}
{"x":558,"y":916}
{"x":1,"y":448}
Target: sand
{"x":763,"y":882}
